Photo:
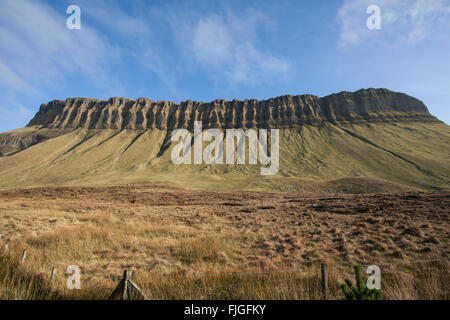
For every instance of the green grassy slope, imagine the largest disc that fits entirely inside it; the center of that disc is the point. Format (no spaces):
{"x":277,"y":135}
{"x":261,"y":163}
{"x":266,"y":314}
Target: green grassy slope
{"x":409,"y":153}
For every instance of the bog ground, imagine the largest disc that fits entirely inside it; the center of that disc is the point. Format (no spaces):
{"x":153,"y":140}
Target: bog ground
{"x":162,"y":232}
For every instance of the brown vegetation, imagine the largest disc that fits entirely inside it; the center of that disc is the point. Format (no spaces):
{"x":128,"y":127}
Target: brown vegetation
{"x":220,"y":245}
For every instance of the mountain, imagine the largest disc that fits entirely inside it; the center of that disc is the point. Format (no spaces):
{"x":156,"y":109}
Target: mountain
{"x":368,"y":140}
{"x":286,"y":111}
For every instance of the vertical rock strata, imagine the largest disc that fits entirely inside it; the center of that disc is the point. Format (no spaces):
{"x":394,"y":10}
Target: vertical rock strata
{"x":285,"y":111}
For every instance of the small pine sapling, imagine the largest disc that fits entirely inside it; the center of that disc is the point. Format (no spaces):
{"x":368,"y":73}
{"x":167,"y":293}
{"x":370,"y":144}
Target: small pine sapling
{"x":361,"y":291}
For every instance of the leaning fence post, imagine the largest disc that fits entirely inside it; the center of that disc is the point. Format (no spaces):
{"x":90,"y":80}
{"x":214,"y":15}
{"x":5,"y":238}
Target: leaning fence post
{"x":127,"y":289}
{"x":24,"y":256}
{"x":127,"y":275}
{"x":324,"y":274}
{"x":52,"y":275}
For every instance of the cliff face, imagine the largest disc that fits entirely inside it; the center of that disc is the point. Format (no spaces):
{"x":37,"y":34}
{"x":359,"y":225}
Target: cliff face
{"x":85,"y":141}
{"x":285,"y":111}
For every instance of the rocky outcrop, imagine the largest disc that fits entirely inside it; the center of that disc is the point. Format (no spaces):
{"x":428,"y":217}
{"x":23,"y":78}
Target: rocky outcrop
{"x":59,"y":117}
{"x":284,"y":111}
{"x":20,"y":139}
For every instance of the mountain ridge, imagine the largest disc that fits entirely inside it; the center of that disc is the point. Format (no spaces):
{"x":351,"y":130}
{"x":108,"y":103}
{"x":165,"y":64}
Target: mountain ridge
{"x":370,"y":138}
{"x":370,"y":105}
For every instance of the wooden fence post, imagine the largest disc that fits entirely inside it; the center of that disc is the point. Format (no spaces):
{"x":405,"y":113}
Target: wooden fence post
{"x":127,"y":275}
{"x":127,"y":289}
{"x":24,"y":256}
{"x":324,"y":274}
{"x":52,"y":275}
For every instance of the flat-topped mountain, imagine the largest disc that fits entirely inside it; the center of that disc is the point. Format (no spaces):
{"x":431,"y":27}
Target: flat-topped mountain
{"x":373,"y":140}
{"x":284,"y":111}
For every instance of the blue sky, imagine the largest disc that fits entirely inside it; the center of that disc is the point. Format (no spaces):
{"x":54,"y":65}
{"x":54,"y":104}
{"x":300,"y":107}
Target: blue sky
{"x":203,"y":50}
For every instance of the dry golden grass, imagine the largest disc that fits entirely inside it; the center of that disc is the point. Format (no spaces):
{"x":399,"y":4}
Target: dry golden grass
{"x":210,"y":245}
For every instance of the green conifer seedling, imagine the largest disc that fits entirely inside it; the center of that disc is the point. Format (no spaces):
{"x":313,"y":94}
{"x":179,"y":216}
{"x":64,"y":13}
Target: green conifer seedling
{"x":360,"y":291}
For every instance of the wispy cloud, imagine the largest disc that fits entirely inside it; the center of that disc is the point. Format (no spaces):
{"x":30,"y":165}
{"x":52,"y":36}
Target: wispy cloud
{"x":9,"y":79}
{"x":404,"y":22}
{"x":16,"y":114}
{"x":135,"y":31}
{"x":37,"y":47}
{"x":38,"y":52}
{"x":226,"y":45}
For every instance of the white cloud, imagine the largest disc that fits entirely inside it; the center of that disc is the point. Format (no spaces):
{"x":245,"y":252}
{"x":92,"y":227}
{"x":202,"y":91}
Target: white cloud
{"x":38,"y":51}
{"x":212,"y":41}
{"x":37,"y":46}
{"x":10,"y":79}
{"x":225,"y":45}
{"x":403,"y":21}
{"x":109,"y":13}
{"x":137,"y":35}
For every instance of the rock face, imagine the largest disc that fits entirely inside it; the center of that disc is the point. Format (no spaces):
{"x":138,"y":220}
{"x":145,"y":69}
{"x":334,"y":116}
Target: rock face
{"x":285,"y":111}
{"x":366,"y":105}
{"x":20,"y":139}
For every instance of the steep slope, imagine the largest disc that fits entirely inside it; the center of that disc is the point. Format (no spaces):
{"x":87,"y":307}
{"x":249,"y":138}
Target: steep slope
{"x":59,"y":117}
{"x":371,"y":136}
{"x":286,"y":111}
